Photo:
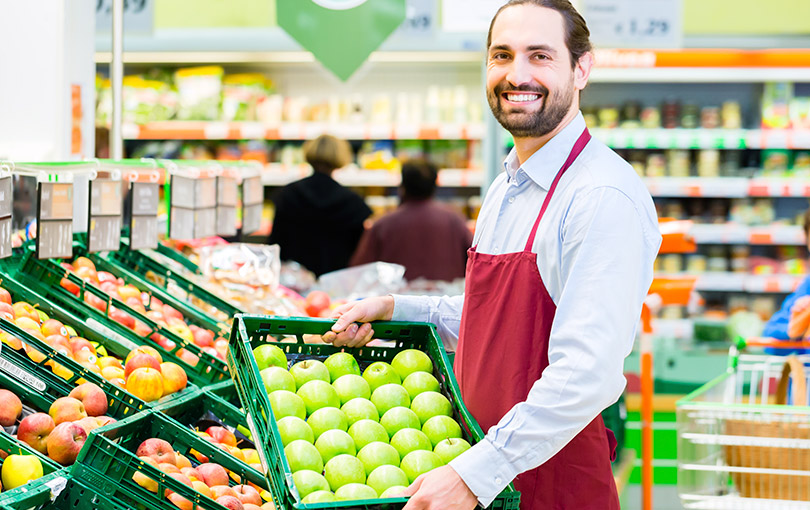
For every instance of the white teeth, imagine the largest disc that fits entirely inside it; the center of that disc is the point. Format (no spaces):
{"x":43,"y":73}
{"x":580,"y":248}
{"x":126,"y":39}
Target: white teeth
{"x":521,"y":97}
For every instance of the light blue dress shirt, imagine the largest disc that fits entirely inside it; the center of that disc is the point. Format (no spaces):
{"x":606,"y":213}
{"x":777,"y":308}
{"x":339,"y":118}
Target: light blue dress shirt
{"x":595,"y":248}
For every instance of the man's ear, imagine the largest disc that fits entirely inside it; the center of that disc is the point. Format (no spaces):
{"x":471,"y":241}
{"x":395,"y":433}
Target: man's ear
{"x":582,"y":70}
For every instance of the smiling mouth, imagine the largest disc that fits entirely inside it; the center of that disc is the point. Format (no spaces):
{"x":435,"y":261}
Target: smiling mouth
{"x":521,"y":97}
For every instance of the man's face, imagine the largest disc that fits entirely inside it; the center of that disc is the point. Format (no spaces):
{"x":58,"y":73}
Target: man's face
{"x":530,"y":82}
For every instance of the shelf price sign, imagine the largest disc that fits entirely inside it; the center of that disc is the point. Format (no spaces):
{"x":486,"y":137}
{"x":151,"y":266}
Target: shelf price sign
{"x":104,"y":221}
{"x":252,"y":204}
{"x":193,"y":207}
{"x":55,"y":220}
{"x":634,"y":23}
{"x":143,"y":222}
{"x":226,"y":206}
{"x":6,"y":205}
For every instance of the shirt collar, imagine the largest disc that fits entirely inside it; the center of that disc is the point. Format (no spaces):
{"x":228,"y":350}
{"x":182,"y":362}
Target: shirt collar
{"x":543,"y":165}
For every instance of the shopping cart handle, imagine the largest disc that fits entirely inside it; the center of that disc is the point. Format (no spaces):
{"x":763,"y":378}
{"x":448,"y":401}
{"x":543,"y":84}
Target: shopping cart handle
{"x":742,"y":343}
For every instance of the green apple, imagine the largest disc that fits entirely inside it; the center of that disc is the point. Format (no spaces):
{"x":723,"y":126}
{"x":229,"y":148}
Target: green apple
{"x":319,"y":497}
{"x":367,"y":431}
{"x":379,"y":373}
{"x":317,"y":394}
{"x":286,"y":403}
{"x":292,"y":428}
{"x":355,"y":491}
{"x":420,"y":382}
{"x":302,"y":455}
{"x":385,"y":477}
{"x":277,"y":378}
{"x":343,"y":469}
{"x":377,"y":454}
{"x":407,"y":440}
{"x":389,"y":396}
{"x":441,"y":427}
{"x":399,"y":418}
{"x":269,"y":356}
{"x":394,"y":492}
{"x":360,"y":409}
{"x":409,"y":361}
{"x":351,"y":386}
{"x":419,"y":462}
{"x":449,"y":449}
{"x":309,"y":370}
{"x":340,"y":364}
{"x":327,"y":418}
{"x":307,"y":482}
{"x":429,"y":404}
{"x":335,"y":442}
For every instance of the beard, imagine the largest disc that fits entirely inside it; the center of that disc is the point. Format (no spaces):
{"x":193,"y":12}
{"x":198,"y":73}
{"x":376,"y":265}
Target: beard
{"x":532,"y":124}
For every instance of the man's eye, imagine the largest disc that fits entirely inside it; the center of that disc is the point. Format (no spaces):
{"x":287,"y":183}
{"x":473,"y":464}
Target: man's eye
{"x":500,"y":56}
{"x":540,"y":56}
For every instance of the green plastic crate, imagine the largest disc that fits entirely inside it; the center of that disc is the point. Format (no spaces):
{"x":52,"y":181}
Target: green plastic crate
{"x":108,"y":465}
{"x":250,"y":331}
{"x":44,"y":278}
{"x":118,"y":347}
{"x":37,"y":494}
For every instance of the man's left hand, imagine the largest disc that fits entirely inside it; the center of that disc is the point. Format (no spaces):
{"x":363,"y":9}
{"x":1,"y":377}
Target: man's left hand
{"x":440,"y":489}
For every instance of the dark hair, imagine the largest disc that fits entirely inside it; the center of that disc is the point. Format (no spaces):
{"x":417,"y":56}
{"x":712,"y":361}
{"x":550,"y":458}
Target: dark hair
{"x":577,"y":35}
{"x":418,"y":179}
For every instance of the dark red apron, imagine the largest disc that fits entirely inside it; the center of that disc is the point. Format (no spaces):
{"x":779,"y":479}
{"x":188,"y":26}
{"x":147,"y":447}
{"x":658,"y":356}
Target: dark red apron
{"x":503,"y":350}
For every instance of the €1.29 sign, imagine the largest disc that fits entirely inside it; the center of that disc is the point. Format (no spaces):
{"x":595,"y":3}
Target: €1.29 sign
{"x":341,"y":34}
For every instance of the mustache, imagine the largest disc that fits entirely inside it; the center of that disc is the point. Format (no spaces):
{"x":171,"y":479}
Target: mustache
{"x":503,"y":86}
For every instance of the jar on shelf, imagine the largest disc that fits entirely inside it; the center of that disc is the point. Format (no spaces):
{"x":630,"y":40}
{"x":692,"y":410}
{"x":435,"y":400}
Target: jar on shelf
{"x":678,"y":162}
{"x":730,"y":163}
{"x":656,"y":165}
{"x":708,"y":163}
{"x":650,"y":118}
{"x":696,"y":263}
{"x":690,"y":116}
{"x":710,"y":117}
{"x":672,"y":263}
{"x":671,"y":114}
{"x":591,"y":116}
{"x":739,"y":258}
{"x":631,"y":115}
{"x":609,"y":117}
{"x":716,"y":261}
{"x":731,"y":115}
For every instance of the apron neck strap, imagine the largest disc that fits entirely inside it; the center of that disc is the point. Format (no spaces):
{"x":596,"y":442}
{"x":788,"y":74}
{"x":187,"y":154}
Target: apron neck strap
{"x":579,"y":145}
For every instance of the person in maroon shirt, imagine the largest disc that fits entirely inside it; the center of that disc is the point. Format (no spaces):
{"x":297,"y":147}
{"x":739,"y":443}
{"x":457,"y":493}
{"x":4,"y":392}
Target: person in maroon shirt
{"x":430,"y":240}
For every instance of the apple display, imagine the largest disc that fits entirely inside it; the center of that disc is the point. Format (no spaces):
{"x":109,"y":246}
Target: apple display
{"x":364,"y":432}
{"x":277,"y":378}
{"x":441,"y":427}
{"x":303,"y":455}
{"x":146,"y":384}
{"x":340,"y":364}
{"x":292,"y":428}
{"x":10,"y":408}
{"x":389,"y":396}
{"x":248,"y":495}
{"x":335,"y":442}
{"x":351,"y":386}
{"x":286,"y":403}
{"x":449,"y":449}
{"x":419,"y":462}
{"x":212,"y":474}
{"x":317,"y":394}
{"x":360,"y":409}
{"x":355,"y":491}
{"x":374,"y":455}
{"x":140,"y":361}
{"x":420,"y":382}
{"x":385,"y":477}
{"x":409,"y":440}
{"x":65,"y":442}
{"x":93,"y":398}
{"x":398,"y":418}
{"x":230,"y":502}
{"x":158,"y":449}
{"x":307,"y":482}
{"x":380,"y":373}
{"x":221,"y":435}
{"x":429,"y":404}
{"x":327,"y":418}
{"x":309,"y":370}
{"x":34,"y":430}
{"x":268,"y":355}
{"x":66,"y":409}
{"x":344,"y":469}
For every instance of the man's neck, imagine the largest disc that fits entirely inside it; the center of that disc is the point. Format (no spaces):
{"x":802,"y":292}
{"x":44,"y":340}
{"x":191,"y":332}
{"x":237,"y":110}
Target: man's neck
{"x":526,"y":147}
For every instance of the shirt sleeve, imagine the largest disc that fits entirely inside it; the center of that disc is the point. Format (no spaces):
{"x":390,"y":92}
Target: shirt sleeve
{"x":607,"y":254}
{"x":444,"y":312}
{"x":777,"y":326}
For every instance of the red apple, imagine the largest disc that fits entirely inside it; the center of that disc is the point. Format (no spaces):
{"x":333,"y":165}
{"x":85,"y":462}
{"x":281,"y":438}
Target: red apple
{"x":144,"y":349}
{"x":109,"y":288}
{"x":158,"y":449}
{"x":217,"y":491}
{"x":66,"y":409}
{"x":142,"y":329}
{"x":104,"y":276}
{"x":70,"y":286}
{"x":222,"y":435}
{"x":34,"y":430}
{"x":87,"y":274}
{"x":122,"y":317}
{"x":157,"y":317}
{"x":146,"y":384}
{"x":174,"y":377}
{"x":7,"y":310}
{"x":191,"y":359}
{"x":316,"y":301}
{"x":248,"y":494}
{"x":135,"y":304}
{"x":78,"y":343}
{"x":170,"y":312}
{"x":89,"y":424}
{"x":230,"y":502}
{"x":213,"y":474}
{"x":93,"y":398}
{"x":83,"y":262}
{"x":180,"y":477}
{"x":5,"y":296}
{"x":140,"y":361}
{"x":10,"y":408}
{"x":65,"y":442}
{"x":203,"y":337}
{"x":95,"y":301}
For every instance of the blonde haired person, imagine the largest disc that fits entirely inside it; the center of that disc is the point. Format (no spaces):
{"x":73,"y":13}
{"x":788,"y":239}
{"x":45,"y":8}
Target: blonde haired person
{"x":318,"y":222}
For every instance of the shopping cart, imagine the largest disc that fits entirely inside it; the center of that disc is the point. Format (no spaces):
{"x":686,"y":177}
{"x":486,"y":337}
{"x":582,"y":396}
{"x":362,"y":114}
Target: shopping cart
{"x":744,"y":437}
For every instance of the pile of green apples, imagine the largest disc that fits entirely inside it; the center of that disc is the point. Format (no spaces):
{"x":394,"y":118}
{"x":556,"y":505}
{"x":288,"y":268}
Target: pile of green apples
{"x":350,"y":436}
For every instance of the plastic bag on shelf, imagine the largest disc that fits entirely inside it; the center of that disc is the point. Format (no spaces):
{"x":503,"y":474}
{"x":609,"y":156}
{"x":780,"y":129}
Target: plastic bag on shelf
{"x":374,"y":279}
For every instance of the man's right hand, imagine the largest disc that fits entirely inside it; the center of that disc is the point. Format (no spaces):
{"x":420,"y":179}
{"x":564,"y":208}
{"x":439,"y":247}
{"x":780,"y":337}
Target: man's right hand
{"x":346,"y":333}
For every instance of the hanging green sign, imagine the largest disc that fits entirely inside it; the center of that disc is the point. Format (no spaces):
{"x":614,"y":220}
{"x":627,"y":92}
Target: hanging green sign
{"x":341,"y":34}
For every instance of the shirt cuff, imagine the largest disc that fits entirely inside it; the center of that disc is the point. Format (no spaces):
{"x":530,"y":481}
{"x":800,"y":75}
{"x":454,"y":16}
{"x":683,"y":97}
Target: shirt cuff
{"x":485,"y":471}
{"x":410,"y":308}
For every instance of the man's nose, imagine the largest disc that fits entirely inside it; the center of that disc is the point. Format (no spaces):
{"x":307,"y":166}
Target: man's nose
{"x":519,"y":73}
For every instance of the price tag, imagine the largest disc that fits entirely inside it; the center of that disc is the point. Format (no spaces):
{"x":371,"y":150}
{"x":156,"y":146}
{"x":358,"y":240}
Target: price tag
{"x":634,"y":23}
{"x":226,"y":191}
{"x":252,"y":191}
{"x":183,"y":192}
{"x":226,"y":221}
{"x":20,"y":374}
{"x":104,"y":233}
{"x":6,"y":206}
{"x":104,"y":221}
{"x":143,"y":223}
{"x":145,"y":199}
{"x":55,"y":221}
{"x":143,"y":233}
{"x":206,"y":190}
{"x":105,"y":198}
{"x":181,"y":225}
{"x":205,"y":222}
{"x":251,"y":218}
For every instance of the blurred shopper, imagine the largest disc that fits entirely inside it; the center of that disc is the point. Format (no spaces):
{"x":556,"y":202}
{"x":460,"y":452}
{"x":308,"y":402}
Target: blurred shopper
{"x":430,"y":240}
{"x":318,"y":222}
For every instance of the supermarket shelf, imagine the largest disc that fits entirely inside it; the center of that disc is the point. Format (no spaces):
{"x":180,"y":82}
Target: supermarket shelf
{"x":740,"y":282}
{"x":277,"y":174}
{"x":779,"y":187}
{"x":734,"y":233}
{"x":697,"y":75}
{"x":203,"y":130}
{"x":703,"y":138}
{"x":722,"y":187}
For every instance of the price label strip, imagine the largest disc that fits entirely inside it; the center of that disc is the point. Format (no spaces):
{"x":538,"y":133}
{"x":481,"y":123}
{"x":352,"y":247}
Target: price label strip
{"x":6,"y":206}
{"x":55,"y":220}
{"x":181,"y":207}
{"x":105,"y":220}
{"x":143,"y":223}
{"x":227,"y":191}
{"x":252,"y":204}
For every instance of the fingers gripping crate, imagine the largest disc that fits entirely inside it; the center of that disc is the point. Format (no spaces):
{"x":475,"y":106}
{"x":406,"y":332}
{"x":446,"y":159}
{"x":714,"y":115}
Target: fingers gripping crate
{"x":109,"y":465}
{"x":44,"y":278}
{"x":740,"y":445}
{"x":250,"y":331}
